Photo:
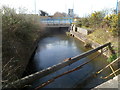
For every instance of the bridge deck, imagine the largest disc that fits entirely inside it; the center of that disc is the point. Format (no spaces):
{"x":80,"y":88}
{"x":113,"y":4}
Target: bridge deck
{"x":57,"y":25}
{"x":57,"y":22}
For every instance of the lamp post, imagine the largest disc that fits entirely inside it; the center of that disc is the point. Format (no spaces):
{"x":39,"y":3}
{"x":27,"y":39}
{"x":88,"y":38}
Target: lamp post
{"x":35,"y":5}
{"x":117,"y":7}
{"x":73,"y":9}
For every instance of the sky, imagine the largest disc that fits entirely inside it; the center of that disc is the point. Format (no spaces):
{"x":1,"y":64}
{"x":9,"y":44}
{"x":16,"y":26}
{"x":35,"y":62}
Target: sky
{"x":81,"y":7}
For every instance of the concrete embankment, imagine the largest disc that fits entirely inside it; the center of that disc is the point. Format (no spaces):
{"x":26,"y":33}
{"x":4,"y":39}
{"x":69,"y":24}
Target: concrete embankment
{"x":112,"y":83}
{"x":81,"y":34}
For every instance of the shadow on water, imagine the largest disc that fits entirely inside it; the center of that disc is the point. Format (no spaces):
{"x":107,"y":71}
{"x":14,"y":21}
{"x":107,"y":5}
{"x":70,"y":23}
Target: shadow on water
{"x":32,"y":64}
{"x":54,"y":49}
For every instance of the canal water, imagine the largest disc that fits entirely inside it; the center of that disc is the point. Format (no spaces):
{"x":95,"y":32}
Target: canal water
{"x":57,"y":47}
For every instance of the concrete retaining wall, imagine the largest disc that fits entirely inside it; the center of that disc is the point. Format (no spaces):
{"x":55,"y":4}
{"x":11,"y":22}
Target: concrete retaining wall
{"x":83,"y":37}
{"x":83,"y":31}
{"x":80,"y":30}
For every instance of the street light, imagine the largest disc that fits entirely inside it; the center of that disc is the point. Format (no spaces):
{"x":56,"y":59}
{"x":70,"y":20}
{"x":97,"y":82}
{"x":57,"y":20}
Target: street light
{"x":117,"y":7}
{"x":35,"y":5}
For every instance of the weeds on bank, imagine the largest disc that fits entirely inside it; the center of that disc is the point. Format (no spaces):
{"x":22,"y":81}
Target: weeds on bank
{"x":19,"y":32}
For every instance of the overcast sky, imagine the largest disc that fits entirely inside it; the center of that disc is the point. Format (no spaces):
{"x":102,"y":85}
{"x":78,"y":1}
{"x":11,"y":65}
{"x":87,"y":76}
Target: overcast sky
{"x":81,"y":7}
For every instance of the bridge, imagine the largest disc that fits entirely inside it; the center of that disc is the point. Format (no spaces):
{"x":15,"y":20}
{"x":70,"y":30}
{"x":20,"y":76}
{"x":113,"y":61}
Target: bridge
{"x":57,"y":21}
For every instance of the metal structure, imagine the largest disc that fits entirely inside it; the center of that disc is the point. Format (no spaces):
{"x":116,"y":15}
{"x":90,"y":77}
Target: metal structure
{"x":57,"y":20}
{"x":110,"y":66}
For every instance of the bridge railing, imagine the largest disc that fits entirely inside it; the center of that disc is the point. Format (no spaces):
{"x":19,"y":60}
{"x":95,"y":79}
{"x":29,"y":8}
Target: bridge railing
{"x":57,"y":20}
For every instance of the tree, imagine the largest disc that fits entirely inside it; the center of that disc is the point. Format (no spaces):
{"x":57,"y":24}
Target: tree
{"x":59,"y":14}
{"x":22,"y":10}
{"x":96,"y":18}
{"x":64,"y":14}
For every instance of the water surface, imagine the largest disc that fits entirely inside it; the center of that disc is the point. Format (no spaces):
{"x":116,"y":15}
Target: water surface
{"x":57,"y":47}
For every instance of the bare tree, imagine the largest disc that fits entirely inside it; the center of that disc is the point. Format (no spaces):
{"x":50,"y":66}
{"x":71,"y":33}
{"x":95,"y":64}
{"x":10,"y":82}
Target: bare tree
{"x":59,"y":14}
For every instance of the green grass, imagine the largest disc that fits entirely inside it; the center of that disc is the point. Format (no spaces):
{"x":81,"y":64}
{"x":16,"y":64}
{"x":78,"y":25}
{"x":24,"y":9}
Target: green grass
{"x":85,"y":27}
{"x":112,"y":58}
{"x":68,"y":33}
{"x":103,"y":36}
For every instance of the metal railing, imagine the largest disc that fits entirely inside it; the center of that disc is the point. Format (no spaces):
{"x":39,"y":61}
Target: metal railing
{"x":28,"y":79}
{"x":57,"y":20}
{"x":110,"y":66}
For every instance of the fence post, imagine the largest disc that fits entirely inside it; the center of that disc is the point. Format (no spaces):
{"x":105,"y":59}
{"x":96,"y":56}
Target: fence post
{"x":111,"y":49}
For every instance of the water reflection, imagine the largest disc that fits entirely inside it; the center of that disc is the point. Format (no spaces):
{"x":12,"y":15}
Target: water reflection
{"x":55,"y":49}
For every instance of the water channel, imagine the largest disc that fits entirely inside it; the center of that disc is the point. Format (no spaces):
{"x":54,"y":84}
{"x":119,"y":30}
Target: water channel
{"x":57,"y":47}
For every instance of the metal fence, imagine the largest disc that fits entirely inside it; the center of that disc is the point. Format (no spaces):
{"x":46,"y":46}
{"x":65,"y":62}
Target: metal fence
{"x":58,"y":20}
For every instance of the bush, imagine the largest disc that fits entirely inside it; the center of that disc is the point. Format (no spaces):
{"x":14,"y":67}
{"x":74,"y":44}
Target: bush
{"x":19,"y":32}
{"x":112,"y":23}
{"x":19,"y":25}
{"x":100,"y":19}
{"x":17,"y":28}
{"x":93,"y":20}
{"x":96,"y":19}
{"x":83,"y":22}
{"x":112,"y":58}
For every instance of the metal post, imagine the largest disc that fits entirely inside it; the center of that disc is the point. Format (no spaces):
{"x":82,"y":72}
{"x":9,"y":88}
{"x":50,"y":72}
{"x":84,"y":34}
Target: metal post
{"x":113,"y":70}
{"x":117,"y":7}
{"x":59,"y":20}
{"x":35,"y":6}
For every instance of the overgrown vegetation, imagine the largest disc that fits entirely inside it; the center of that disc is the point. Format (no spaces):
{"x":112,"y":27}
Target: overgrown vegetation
{"x":105,"y":27}
{"x":112,"y":58}
{"x":100,"y":19}
{"x":19,"y":31}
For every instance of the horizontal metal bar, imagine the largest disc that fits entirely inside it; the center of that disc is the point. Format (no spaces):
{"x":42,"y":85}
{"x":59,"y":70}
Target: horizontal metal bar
{"x":111,"y":74}
{"x":109,"y":65}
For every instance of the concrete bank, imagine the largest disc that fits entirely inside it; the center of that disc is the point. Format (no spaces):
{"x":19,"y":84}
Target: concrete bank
{"x":112,"y":83}
{"x":81,"y":34}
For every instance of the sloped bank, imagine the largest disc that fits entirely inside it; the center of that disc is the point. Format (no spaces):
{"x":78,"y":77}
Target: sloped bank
{"x":20,"y":35}
{"x":81,"y":34}
{"x":25,"y":52}
{"x":18,"y":58}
